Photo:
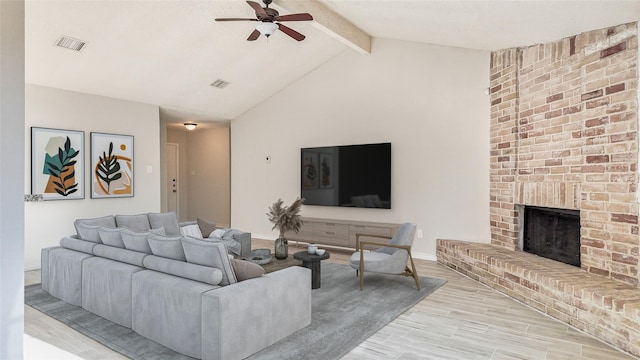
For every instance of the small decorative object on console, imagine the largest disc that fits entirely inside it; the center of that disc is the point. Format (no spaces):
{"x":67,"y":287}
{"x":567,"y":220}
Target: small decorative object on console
{"x":285,"y":219}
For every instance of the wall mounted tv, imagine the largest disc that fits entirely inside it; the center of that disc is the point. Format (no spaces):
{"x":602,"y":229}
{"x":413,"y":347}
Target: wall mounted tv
{"x":347,"y":176}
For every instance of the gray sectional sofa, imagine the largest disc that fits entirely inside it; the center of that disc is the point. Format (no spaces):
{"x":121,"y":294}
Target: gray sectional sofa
{"x":182,"y":292}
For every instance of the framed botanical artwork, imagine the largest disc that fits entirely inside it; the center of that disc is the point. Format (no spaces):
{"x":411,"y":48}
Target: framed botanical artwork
{"x":326,"y":171}
{"x":310,"y":171}
{"x":57,"y":163}
{"x":111,"y":165}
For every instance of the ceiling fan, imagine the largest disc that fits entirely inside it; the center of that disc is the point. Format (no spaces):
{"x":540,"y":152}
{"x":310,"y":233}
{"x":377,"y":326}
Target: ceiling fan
{"x":270,"y":21}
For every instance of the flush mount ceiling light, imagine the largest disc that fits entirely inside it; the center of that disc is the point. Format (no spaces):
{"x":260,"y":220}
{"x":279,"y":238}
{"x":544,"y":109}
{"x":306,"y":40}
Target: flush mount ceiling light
{"x":267,"y":28}
{"x":190,"y":126}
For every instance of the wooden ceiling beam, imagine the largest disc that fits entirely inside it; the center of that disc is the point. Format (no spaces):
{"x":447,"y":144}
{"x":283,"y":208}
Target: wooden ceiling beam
{"x":331,"y":23}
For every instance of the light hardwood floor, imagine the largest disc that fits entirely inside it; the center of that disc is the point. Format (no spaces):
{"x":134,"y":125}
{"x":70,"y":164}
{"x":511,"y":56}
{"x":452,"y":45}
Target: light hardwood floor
{"x":461,"y":320}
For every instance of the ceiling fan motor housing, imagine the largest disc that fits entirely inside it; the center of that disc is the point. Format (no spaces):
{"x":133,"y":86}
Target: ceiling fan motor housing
{"x":271,"y":13}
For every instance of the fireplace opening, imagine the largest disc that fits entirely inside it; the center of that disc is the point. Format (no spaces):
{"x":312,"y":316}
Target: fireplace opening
{"x":552,"y":233}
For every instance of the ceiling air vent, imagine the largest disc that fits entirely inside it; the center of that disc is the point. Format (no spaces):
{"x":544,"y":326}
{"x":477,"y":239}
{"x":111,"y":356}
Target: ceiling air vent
{"x":219,"y":83}
{"x":70,"y":43}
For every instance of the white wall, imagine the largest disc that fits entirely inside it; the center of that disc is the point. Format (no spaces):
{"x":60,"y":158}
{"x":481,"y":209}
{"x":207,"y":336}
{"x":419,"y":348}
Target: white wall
{"x":428,"y":101}
{"x":48,"y":221}
{"x":11,"y":176}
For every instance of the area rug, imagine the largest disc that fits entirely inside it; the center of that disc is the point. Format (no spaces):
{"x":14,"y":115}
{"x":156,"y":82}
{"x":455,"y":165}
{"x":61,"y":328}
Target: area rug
{"x":342,"y":317}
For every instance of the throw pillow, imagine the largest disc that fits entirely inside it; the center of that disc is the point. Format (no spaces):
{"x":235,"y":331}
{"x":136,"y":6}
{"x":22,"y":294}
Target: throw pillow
{"x":111,"y":236}
{"x":191,"y":230}
{"x":212,"y":254}
{"x":166,"y":246}
{"x":168,"y":220}
{"x":245,"y":270}
{"x":136,"y":241}
{"x":88,"y":232}
{"x":217,"y":233}
{"x":206,"y":227}
{"x":139,"y":222}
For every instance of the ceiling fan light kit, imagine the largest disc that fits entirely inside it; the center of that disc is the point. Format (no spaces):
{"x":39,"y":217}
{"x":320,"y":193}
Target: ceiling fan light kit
{"x":267,"y":28}
{"x":270,"y":21}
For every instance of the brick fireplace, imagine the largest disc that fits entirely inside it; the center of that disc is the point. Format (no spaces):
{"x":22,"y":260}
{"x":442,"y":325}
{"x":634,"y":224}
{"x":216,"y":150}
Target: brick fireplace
{"x":564,"y":129}
{"x":563,"y":133}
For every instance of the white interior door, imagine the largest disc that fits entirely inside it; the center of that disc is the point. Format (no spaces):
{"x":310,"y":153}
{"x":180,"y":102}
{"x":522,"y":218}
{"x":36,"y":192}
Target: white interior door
{"x":172,"y":178}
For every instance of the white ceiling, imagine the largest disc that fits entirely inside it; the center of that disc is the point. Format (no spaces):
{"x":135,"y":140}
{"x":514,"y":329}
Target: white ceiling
{"x":168,"y":52}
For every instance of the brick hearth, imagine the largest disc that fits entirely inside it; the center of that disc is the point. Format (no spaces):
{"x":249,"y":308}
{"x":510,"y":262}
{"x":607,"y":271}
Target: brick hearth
{"x":605,"y":308}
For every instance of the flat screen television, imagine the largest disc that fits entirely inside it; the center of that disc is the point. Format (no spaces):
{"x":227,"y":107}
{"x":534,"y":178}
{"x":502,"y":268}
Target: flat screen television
{"x":347,"y":176}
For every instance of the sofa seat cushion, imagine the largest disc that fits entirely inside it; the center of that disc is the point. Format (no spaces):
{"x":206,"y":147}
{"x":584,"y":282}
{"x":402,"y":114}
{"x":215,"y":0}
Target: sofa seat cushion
{"x":168,"y":309}
{"x":106,"y":289}
{"x":64,"y":274}
{"x":212,"y":254}
{"x":168,"y":220}
{"x":139,"y":222}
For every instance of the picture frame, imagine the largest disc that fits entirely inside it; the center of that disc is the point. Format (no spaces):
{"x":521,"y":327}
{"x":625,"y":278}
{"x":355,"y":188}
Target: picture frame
{"x":57,"y":163}
{"x":310,"y":171}
{"x":112,"y":164}
{"x":326,"y":171}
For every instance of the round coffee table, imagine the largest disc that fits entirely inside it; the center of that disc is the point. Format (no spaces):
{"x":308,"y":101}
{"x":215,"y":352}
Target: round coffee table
{"x":312,"y":261}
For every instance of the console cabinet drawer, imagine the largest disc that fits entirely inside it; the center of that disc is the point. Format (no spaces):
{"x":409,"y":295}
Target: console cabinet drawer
{"x":338,"y":232}
{"x":370,"y":230}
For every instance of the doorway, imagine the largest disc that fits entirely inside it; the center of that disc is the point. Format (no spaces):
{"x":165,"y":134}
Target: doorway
{"x":172,"y":178}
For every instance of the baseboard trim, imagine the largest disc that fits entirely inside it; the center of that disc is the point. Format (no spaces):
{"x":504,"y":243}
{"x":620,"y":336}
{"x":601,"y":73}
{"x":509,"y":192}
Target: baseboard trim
{"x":423,"y":256}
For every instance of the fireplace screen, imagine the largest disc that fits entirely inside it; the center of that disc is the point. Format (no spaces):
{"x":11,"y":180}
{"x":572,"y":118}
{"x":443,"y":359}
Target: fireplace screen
{"x":553,"y":234}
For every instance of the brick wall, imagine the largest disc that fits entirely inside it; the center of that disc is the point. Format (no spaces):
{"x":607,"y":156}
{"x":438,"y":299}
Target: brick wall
{"x":564,"y":126}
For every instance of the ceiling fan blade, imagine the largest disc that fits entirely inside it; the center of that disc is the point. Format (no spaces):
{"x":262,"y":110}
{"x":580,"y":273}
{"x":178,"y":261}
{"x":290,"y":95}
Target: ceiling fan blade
{"x":289,"y":31}
{"x":235,"y":19}
{"x":294,"y":17}
{"x":254,"y":35}
{"x":259,"y":10}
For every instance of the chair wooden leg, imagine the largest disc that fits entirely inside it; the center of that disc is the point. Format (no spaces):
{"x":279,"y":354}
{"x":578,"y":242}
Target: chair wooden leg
{"x":414,"y":272}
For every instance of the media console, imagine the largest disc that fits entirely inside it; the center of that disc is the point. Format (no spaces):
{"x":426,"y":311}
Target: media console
{"x":338,"y":232}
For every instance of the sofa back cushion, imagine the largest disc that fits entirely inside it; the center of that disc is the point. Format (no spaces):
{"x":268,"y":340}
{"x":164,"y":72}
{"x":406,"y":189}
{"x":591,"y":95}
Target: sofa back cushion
{"x":88,"y":232}
{"x":111,"y":236}
{"x":168,"y":220}
{"x":136,"y":241}
{"x":139,"y":222}
{"x":108,"y":220}
{"x":167,"y":247}
{"x":210,"y":253}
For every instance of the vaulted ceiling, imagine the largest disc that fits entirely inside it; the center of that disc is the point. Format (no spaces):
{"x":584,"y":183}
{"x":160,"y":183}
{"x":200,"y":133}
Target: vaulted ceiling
{"x":168,"y":53}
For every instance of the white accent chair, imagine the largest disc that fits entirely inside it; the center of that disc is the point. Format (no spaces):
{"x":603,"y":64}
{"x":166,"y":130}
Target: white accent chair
{"x":388,"y":258}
